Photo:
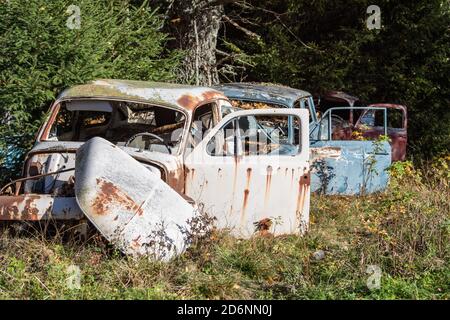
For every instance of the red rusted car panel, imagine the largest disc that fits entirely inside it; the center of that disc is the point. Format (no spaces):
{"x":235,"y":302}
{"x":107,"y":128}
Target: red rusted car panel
{"x":36,"y":207}
{"x":397,"y":128}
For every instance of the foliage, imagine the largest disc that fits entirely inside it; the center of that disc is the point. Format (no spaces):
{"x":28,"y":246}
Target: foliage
{"x":405,"y":231}
{"x":325,"y":45}
{"x":40,"y":56}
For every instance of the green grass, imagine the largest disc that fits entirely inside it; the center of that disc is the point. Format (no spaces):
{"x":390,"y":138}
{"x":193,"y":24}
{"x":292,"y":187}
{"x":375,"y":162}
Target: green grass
{"x":405,"y":231}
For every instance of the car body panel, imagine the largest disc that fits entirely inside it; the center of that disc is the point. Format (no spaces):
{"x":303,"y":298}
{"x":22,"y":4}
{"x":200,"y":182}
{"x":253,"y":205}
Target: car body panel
{"x":131,"y":206}
{"x":250,"y":189}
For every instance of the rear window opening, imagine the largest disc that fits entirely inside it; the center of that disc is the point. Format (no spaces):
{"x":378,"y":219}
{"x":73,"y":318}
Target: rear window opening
{"x":249,"y":105}
{"x":122,"y":123}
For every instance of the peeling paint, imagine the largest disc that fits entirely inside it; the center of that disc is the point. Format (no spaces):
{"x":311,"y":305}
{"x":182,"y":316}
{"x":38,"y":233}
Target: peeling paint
{"x":110,"y":193}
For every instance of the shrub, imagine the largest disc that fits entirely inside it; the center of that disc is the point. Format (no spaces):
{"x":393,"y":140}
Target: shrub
{"x":40,"y":55}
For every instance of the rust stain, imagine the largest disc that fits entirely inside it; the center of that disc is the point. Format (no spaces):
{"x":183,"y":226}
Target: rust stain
{"x":10,"y":208}
{"x":135,"y":242}
{"x":303,"y":187}
{"x":108,"y":194}
{"x":244,"y":205}
{"x":212,"y":95}
{"x":325,"y":153}
{"x":181,"y":177}
{"x":236,"y":164}
{"x":54,"y":113}
{"x":262,"y":227}
{"x":30,"y":210}
{"x":249,"y":176}
{"x":188,"y":101}
{"x":236,"y":160}
{"x":175,"y":178}
{"x":246,"y":194}
{"x":268,"y":183}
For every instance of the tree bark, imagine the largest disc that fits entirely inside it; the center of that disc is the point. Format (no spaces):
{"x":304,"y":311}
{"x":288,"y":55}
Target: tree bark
{"x":195,"y":24}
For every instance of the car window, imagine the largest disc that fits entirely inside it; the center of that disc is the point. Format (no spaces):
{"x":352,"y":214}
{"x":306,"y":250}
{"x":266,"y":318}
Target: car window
{"x":203,"y":117}
{"x":202,"y":122}
{"x":373,"y":118}
{"x":395,"y":118}
{"x":117,"y":122}
{"x":255,"y":135}
{"x":307,"y":104}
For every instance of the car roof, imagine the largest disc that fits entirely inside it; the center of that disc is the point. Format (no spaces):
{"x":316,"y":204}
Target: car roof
{"x":159,"y":93}
{"x":264,"y":92}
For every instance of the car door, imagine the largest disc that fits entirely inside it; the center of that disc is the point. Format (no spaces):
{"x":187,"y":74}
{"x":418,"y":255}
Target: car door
{"x":371,"y":125}
{"x":248,"y":175}
{"x":343,"y":166}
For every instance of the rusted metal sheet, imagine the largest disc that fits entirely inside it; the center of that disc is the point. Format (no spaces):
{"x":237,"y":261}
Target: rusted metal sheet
{"x":191,"y":100}
{"x":56,"y":154}
{"x":361,"y":166}
{"x":140,"y":199}
{"x":367,"y":125}
{"x":132,"y":207}
{"x":35,"y":207}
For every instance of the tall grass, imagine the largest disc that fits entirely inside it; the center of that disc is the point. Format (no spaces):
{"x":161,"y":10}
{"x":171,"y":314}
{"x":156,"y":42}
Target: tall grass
{"x":404,"y":231}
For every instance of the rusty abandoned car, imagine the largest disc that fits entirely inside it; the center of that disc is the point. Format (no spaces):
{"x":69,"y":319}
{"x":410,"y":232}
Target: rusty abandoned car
{"x":352,"y":124}
{"x":340,"y":163}
{"x":140,"y":159}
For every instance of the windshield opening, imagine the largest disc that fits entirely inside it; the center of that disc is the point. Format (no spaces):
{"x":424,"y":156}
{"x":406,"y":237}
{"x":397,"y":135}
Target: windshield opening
{"x":122,"y":123}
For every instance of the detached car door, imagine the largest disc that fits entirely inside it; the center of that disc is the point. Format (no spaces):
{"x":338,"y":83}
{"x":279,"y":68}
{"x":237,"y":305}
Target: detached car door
{"x":249,"y":175}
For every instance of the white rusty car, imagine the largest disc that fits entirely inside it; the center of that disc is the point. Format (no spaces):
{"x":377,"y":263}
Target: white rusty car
{"x":136,"y":156}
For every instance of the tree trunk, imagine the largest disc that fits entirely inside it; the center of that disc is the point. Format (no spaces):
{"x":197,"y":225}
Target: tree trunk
{"x":195,"y":25}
